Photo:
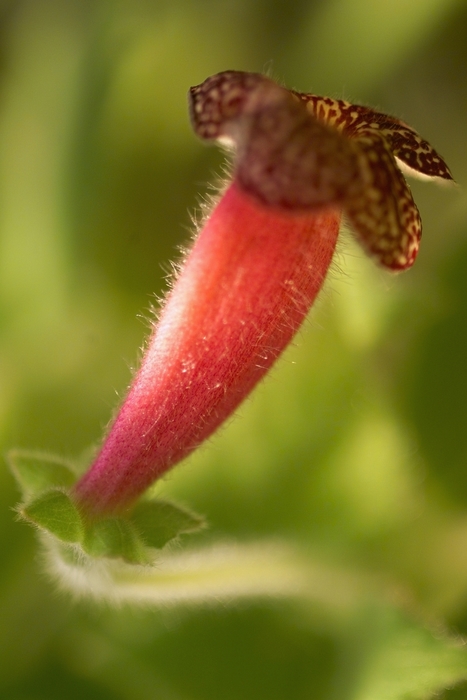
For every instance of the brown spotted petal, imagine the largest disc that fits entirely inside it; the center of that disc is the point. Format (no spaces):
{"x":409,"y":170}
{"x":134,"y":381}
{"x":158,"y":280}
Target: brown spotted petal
{"x":222,"y":100}
{"x":408,"y":147}
{"x":287,"y":160}
{"x":384,"y":215}
{"x":284,"y":156}
{"x":300,"y":152}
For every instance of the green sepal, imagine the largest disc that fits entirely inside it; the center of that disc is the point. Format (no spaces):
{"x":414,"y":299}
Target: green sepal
{"x":46,"y":481}
{"x":55,"y":512}
{"x":159,"y":521}
{"x":115,"y":538}
{"x":36,"y":472}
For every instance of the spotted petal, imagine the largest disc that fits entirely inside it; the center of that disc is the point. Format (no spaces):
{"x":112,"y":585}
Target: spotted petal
{"x":222,"y":99}
{"x":297,"y":151}
{"x":384,"y":215}
{"x":410,"y":149}
{"x":285,"y":157}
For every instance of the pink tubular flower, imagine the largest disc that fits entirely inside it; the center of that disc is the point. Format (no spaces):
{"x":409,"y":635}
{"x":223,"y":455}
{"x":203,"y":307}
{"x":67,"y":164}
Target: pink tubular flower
{"x":257,"y":264}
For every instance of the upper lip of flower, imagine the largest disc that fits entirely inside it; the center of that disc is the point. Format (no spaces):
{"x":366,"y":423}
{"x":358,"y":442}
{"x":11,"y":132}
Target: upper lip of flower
{"x":300,"y":151}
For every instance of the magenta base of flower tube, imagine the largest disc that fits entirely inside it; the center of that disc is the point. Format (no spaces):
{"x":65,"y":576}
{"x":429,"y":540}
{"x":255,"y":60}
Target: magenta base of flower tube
{"x":242,"y":293}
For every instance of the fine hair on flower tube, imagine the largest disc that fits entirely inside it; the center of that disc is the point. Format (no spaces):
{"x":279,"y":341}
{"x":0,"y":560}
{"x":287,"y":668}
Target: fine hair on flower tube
{"x":257,"y":263}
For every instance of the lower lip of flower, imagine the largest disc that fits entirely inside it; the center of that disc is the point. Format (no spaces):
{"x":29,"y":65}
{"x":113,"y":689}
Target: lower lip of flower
{"x":243,"y":291}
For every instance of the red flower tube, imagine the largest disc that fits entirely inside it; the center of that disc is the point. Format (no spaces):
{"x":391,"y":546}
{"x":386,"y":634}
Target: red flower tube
{"x":256,"y":266}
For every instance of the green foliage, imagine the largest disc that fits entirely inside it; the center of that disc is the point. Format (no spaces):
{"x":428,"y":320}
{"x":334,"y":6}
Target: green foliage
{"x":36,"y":472}
{"x":152,"y":523}
{"x":114,"y":538}
{"x":406,"y":660}
{"x":55,"y":512}
{"x":159,"y":521}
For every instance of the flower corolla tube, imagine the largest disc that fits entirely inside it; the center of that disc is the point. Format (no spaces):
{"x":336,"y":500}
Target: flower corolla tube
{"x":257,"y":263}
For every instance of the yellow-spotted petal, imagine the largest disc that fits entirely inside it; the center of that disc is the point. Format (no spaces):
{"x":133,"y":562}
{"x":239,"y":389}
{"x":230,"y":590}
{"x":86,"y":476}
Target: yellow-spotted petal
{"x":414,"y":154}
{"x":384,"y":216}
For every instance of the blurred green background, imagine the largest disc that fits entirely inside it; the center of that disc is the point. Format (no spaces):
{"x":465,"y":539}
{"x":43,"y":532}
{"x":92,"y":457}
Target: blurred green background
{"x":356,"y":447}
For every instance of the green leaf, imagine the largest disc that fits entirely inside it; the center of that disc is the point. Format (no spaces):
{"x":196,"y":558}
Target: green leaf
{"x":115,"y":537}
{"x":36,"y":472}
{"x":55,"y":512}
{"x":160,"y":521}
{"x":406,"y":661}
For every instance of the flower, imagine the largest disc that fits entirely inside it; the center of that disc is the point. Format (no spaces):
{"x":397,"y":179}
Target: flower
{"x":257,"y":263}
